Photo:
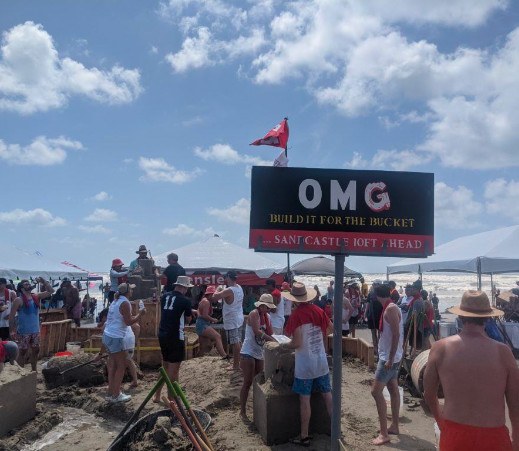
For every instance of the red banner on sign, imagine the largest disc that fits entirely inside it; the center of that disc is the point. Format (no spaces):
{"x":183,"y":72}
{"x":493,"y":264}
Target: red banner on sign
{"x":352,"y":243}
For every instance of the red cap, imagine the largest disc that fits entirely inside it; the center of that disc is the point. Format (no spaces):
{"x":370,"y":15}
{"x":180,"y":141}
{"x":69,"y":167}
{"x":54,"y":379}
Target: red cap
{"x":285,"y":286}
{"x":211,"y":289}
{"x":117,"y":262}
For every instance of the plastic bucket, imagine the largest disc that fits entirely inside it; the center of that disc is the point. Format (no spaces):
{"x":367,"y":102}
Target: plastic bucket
{"x":387,"y":397}
{"x":74,"y":347}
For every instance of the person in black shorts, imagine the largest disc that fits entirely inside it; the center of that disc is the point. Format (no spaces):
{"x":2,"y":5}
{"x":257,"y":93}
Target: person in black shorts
{"x":176,"y":307}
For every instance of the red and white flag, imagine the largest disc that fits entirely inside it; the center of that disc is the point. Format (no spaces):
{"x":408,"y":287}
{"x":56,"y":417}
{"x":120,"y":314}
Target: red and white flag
{"x":277,"y":137}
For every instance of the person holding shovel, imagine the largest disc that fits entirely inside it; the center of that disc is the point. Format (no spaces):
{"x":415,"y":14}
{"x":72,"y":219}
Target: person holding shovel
{"x":117,"y":322}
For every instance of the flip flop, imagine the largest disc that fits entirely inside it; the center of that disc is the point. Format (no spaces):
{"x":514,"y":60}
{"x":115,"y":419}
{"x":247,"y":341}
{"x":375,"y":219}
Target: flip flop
{"x":301,"y":441}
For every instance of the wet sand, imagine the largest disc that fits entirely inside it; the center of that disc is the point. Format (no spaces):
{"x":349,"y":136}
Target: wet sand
{"x":210,"y":386}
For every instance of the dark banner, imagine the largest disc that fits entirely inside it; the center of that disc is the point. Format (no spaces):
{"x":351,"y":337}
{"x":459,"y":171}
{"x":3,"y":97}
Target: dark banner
{"x":307,"y":210}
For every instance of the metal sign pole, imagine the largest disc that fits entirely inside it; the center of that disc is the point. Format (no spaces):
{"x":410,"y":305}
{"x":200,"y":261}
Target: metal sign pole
{"x":337,"y":352}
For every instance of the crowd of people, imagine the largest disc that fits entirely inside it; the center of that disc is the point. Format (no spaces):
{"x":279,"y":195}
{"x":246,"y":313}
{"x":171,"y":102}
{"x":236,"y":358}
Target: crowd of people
{"x":299,"y":318}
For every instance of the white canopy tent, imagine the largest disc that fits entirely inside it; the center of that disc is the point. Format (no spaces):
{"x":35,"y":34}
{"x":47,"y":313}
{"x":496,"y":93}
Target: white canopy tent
{"x":492,"y":252}
{"x":16,"y":264}
{"x":216,"y":254}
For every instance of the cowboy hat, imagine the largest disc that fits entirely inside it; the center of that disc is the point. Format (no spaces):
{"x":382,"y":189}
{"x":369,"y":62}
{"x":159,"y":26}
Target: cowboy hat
{"x":142,"y":248}
{"x":184,"y":281}
{"x":124,"y":288}
{"x":266,"y":299}
{"x":475,"y":304}
{"x":299,"y":293}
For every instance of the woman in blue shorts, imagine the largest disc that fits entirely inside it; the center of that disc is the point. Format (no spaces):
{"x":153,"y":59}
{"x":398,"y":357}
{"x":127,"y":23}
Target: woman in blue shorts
{"x":204,"y":321}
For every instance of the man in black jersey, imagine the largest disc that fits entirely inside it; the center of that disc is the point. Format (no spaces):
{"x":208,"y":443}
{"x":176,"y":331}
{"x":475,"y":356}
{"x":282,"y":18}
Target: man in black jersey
{"x":176,"y":307}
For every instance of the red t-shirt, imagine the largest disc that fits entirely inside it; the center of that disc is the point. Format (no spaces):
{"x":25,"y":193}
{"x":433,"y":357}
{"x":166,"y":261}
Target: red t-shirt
{"x":306,"y":314}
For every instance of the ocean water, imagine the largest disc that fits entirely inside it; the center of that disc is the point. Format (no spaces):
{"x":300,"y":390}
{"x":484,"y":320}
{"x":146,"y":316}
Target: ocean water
{"x":449,"y":287}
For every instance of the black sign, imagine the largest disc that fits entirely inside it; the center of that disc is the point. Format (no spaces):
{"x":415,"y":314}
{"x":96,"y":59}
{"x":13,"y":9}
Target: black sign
{"x":309,"y":210}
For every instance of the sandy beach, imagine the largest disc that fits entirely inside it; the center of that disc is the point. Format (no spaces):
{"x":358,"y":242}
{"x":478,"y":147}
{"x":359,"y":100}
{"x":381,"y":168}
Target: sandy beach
{"x":80,"y":419}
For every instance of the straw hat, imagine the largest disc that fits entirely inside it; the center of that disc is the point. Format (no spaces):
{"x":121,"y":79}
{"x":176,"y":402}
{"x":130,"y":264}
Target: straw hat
{"x":475,"y":304}
{"x":299,"y":293}
{"x":266,"y":299}
{"x":184,"y":281}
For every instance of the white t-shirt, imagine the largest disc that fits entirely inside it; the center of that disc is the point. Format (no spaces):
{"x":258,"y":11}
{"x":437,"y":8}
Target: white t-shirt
{"x":129,"y":339}
{"x":4,"y":322}
{"x":233,"y":313}
{"x":277,"y":318}
{"x":311,"y":361}
{"x":287,"y":306}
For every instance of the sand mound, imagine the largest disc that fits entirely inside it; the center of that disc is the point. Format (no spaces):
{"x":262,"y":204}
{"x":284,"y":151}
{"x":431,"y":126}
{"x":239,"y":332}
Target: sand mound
{"x":36,"y":428}
{"x":162,"y":436}
{"x":88,"y":375}
{"x":89,"y":400}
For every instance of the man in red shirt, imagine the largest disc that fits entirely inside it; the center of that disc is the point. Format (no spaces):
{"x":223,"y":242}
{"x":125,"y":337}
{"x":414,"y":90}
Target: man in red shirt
{"x":308,"y":326}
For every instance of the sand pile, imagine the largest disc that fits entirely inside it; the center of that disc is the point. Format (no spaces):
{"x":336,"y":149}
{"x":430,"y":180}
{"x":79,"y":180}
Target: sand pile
{"x":39,"y":426}
{"x":13,"y":372}
{"x":88,"y":375}
{"x":90,"y":400}
{"x":162,"y":436}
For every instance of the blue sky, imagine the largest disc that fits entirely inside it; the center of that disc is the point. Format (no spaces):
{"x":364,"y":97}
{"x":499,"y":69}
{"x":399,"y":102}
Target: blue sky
{"x":124,"y":123}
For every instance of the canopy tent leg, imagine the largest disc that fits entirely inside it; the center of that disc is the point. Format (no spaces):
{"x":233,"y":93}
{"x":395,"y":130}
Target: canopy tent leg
{"x":478,"y":267}
{"x":337,"y":354}
{"x":492,"y":291}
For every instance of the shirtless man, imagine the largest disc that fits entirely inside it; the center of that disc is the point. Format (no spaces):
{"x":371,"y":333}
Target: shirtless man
{"x":477,"y":375}
{"x":232,"y":311}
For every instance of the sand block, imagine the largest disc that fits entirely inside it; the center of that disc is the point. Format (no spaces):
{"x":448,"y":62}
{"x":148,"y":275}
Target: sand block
{"x":148,"y":352}
{"x":84,"y":376}
{"x":17,"y":397}
{"x":366,"y":353}
{"x":276,"y":412}
{"x":279,"y":363}
{"x":349,"y":346}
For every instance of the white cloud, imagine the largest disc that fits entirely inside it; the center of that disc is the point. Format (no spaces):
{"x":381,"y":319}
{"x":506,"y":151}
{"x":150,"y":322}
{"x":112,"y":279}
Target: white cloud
{"x":94,"y":229}
{"x":195,"y":53}
{"x":38,"y":216}
{"x":225,"y":154}
{"x":205,"y":50}
{"x":185,"y":230}
{"x":455,"y":208}
{"x":42,"y":151}
{"x":158,"y":170}
{"x":501,"y":198}
{"x":238,"y":213}
{"x":389,"y":160}
{"x":34,"y":78}
{"x":101,"y":196}
{"x":102,"y":215}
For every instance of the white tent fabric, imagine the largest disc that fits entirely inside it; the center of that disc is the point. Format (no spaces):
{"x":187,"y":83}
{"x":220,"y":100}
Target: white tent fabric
{"x":16,"y":264}
{"x":215,"y":254}
{"x":320,"y":266}
{"x":493,"y":252}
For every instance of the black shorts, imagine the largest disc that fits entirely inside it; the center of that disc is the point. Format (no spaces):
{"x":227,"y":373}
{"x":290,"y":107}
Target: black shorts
{"x":353,"y":320}
{"x":4,"y":333}
{"x":173,"y":350}
{"x":111,"y":296}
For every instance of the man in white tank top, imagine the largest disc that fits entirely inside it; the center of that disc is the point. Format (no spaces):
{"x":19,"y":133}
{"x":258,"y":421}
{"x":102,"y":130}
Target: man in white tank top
{"x":390,"y":350}
{"x":232,"y":311}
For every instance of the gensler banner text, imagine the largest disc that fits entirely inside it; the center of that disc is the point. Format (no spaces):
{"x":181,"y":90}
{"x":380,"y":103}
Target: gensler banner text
{"x":308,"y":210}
